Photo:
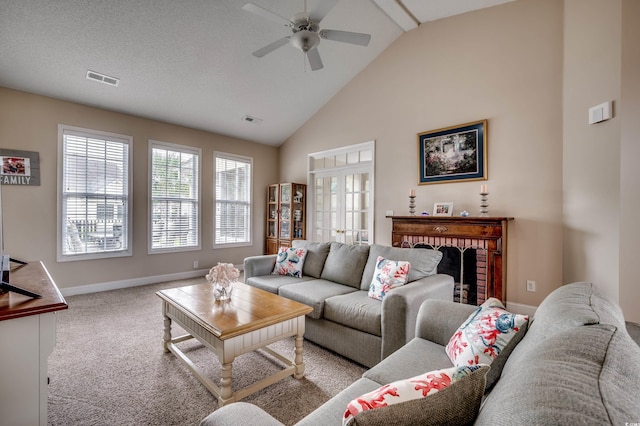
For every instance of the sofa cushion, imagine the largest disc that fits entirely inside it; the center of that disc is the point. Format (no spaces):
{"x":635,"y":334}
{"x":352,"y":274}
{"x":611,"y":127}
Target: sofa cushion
{"x":424,"y":262}
{"x":415,"y":357}
{"x":272,"y":283}
{"x":450,"y":396}
{"x":345,"y":263}
{"x":355,"y":310}
{"x":316,"y":256}
{"x":289,"y":261}
{"x":387,"y":275}
{"x":313,"y":293}
{"x":485,"y":335}
{"x":583,"y":375}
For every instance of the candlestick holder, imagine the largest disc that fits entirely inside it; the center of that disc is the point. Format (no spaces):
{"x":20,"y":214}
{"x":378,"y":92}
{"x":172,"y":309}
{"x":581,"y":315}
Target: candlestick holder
{"x":484,"y":204}
{"x":412,"y":205}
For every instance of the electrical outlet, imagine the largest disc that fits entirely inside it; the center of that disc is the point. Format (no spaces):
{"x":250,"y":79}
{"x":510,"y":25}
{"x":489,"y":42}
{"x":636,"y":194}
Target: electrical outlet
{"x":195,"y":264}
{"x":531,"y":285}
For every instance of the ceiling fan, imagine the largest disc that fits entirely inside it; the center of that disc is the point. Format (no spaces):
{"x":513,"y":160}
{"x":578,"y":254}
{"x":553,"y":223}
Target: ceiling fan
{"x":306,"y":33}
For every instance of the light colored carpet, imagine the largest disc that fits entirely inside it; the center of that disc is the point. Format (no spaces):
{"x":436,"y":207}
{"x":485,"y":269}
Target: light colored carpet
{"x":109,"y":368}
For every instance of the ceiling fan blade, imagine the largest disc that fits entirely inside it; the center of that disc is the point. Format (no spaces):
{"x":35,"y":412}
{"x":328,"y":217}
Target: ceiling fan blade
{"x":314,"y":59}
{"x":321,"y":10}
{"x":271,"y":47}
{"x":260,"y":11}
{"x":346,"y":37}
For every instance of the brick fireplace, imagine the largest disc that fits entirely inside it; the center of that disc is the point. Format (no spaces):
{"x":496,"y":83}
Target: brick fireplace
{"x":474,"y":250}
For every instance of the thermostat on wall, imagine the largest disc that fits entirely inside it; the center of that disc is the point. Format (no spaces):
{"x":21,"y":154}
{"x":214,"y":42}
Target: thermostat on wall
{"x":600,"y":112}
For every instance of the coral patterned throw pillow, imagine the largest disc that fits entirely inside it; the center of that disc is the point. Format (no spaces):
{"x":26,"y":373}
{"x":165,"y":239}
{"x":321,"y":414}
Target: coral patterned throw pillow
{"x":414,"y":393}
{"x":486,"y":332}
{"x":387,"y":275}
{"x":289,"y":261}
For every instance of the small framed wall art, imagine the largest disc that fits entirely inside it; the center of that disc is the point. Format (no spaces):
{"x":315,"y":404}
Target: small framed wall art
{"x":453,"y":154}
{"x":19,"y":167}
{"x":442,"y":209}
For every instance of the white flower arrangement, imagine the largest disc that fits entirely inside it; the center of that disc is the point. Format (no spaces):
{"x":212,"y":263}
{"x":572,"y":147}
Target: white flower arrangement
{"x":223,"y":274}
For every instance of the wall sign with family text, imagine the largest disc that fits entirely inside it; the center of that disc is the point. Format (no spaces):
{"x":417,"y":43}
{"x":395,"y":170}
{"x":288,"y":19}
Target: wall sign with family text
{"x":19,"y":167}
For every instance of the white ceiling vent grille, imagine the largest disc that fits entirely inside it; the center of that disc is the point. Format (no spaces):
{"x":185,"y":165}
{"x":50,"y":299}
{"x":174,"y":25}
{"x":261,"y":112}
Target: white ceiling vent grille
{"x":102,"y":78}
{"x":252,"y":120}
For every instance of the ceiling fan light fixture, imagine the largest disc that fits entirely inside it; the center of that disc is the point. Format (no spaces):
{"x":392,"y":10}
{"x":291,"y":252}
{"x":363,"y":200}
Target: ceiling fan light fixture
{"x":305,"y":40}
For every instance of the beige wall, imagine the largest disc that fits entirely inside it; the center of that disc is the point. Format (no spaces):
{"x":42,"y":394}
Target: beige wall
{"x":501,"y":64}
{"x":591,"y":152}
{"x":30,"y":122}
{"x":630,"y":153}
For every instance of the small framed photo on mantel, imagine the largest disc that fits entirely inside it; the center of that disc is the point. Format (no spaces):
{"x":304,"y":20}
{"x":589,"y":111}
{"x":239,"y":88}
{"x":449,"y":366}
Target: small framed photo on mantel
{"x":442,"y":209}
{"x":453,"y":154}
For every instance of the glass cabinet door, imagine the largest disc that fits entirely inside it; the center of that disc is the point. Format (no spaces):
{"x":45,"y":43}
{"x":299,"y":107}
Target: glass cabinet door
{"x":272,"y":211}
{"x":285,"y":211}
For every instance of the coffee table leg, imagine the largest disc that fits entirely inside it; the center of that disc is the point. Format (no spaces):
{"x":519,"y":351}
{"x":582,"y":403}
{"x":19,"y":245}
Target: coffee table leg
{"x":167,"y":328}
{"x":298,"y":358}
{"x":225,"y":384}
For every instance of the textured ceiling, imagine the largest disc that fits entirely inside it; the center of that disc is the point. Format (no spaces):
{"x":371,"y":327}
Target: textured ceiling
{"x":190,"y":62}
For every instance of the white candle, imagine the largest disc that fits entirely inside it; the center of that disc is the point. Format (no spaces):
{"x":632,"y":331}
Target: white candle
{"x":484,"y":189}
{"x":412,"y":192}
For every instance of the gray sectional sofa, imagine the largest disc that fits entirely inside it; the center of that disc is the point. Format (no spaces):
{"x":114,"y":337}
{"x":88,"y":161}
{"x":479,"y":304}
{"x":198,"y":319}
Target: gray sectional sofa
{"x":335,"y":281}
{"x":576,"y":364}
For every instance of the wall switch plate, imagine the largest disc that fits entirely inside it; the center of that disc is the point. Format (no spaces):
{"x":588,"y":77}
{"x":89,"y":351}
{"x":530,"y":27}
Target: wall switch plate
{"x":389,"y":213}
{"x":531,"y":285}
{"x":600,"y":112}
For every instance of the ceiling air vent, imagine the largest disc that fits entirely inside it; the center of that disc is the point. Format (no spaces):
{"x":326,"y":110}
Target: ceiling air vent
{"x":102,"y":78}
{"x":251,"y":120}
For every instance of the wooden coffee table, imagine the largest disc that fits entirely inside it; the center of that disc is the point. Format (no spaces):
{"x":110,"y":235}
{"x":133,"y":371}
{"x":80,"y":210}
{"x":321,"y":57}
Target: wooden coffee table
{"x":250,"y":320}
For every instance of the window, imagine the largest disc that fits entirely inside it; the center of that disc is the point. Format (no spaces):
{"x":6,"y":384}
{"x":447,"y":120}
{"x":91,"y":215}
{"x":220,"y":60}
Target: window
{"x":94,"y":192}
{"x":232,"y":200}
{"x":341,"y":194}
{"x":175,"y":197}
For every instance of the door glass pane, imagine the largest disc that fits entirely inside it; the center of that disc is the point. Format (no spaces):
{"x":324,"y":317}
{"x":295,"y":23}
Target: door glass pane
{"x":353,"y":157}
{"x":366,"y":155}
{"x":348,"y":199}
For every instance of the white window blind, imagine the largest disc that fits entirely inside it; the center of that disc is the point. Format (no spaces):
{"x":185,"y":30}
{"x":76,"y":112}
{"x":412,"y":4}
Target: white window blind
{"x":232,"y":200}
{"x":94,"y":194}
{"x":175,"y":197}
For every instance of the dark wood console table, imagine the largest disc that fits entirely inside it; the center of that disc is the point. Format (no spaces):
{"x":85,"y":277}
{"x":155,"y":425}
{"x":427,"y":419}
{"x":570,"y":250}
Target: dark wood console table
{"x":488,"y":234}
{"x":28,"y":333}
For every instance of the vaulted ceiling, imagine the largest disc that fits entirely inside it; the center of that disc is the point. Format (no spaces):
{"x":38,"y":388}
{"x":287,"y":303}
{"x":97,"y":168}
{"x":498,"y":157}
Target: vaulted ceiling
{"x":190,"y":62}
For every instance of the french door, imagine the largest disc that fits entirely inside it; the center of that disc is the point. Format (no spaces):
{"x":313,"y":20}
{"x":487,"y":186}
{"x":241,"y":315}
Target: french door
{"x":342,"y":199}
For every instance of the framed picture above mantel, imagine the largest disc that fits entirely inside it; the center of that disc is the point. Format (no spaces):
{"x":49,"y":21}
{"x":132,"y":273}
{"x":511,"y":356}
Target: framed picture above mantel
{"x":453,"y":154}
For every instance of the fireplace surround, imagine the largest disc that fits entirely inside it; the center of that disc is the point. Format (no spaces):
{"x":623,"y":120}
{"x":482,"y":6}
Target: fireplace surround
{"x":474,"y":250}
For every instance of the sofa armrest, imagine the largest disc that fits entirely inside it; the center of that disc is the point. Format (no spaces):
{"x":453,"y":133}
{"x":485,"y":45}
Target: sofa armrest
{"x":400,"y":309}
{"x":438,"y":320}
{"x":240,"y":414}
{"x":255,"y":266}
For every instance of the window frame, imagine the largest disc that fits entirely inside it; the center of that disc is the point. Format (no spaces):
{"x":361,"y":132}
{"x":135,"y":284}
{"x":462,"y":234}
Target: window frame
{"x":182,"y":149}
{"x":249,"y":161}
{"x":97,"y":134}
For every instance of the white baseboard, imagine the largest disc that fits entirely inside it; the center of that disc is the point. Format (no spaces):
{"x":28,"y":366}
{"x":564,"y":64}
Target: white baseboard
{"x":519,"y":308}
{"x":135,"y":282}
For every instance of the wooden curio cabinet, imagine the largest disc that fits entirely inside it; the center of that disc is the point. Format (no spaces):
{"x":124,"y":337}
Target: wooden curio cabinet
{"x":286,"y":215}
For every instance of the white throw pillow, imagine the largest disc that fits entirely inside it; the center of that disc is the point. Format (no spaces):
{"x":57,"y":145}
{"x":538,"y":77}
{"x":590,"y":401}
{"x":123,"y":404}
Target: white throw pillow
{"x":481,"y":338}
{"x":289,"y":261}
{"x":388,"y":275}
